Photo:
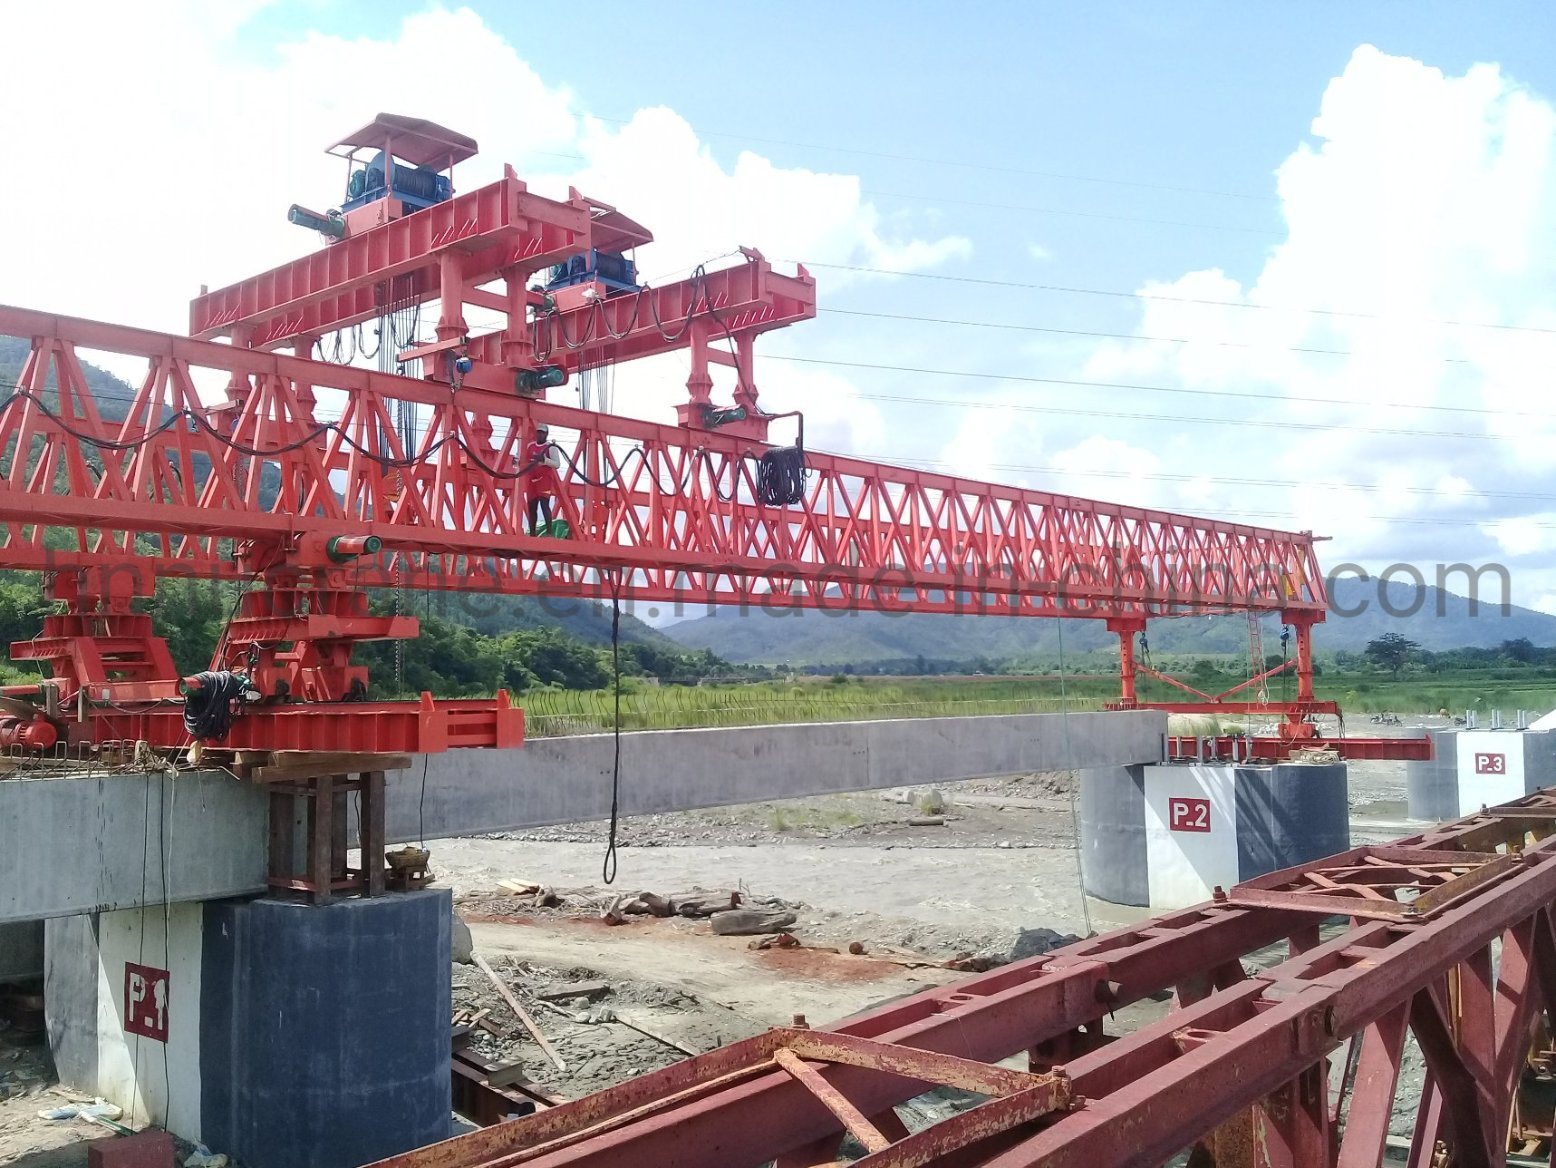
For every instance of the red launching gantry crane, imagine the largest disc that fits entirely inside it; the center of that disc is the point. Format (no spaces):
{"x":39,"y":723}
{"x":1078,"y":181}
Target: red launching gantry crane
{"x":313,"y":481}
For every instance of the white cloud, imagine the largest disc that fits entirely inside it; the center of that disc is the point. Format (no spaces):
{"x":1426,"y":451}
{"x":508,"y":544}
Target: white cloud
{"x":168,"y":156}
{"x":1126,"y":471}
{"x":1523,"y":535}
{"x":1422,"y":198}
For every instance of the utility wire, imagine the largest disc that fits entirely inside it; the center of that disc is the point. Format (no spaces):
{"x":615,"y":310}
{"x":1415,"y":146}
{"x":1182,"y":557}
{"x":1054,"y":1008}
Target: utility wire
{"x":609,"y":865}
{"x":322,"y":428}
{"x":967,"y":165}
{"x":1136,"y":387}
{"x":1428,"y":522}
{"x":1175,"y":419}
{"x":681,"y":487}
{"x":1075,"y":290}
{"x":1289,"y":484}
{"x":1069,"y":752}
{"x":1027,"y":210}
{"x":1098,"y":334}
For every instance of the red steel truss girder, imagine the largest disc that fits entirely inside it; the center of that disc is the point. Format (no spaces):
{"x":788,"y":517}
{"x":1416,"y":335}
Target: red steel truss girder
{"x":678,"y":521}
{"x":1242,"y":1064}
{"x":498,"y":228}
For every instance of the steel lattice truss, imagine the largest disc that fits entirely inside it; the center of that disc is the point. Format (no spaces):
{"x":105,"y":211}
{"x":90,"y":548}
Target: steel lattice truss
{"x":279,"y":461}
{"x":1278,"y":1056}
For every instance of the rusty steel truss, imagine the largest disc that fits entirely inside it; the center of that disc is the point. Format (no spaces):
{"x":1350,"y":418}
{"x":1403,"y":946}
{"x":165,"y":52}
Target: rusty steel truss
{"x":1283,"y":1044}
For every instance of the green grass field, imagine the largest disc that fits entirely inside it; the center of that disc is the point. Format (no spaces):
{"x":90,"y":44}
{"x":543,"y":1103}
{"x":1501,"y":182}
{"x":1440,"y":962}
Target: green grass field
{"x":556,"y":712}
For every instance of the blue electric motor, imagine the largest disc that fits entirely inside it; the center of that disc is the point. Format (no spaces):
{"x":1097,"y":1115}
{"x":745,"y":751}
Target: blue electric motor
{"x":614,"y":270}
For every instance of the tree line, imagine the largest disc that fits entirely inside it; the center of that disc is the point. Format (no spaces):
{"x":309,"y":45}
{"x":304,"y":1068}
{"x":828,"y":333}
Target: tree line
{"x":446,"y":659}
{"x":1396,"y":653}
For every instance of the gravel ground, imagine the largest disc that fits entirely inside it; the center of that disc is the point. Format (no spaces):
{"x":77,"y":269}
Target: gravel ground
{"x":1001,"y":866}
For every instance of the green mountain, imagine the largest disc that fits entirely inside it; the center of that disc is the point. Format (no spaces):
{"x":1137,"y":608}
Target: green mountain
{"x":1433,"y":618}
{"x":112,"y":394}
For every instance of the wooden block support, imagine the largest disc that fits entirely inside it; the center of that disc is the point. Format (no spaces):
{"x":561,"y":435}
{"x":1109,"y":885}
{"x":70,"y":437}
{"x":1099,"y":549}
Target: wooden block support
{"x":319,"y":808}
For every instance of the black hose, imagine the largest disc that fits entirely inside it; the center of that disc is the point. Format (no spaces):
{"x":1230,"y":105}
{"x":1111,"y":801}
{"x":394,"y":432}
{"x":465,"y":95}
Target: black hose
{"x":780,"y":477}
{"x":208,"y":705}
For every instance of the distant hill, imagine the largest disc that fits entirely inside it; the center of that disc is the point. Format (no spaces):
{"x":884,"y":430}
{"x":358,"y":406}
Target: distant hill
{"x":586,"y":620}
{"x":1435,"y":619}
{"x":112,"y":394}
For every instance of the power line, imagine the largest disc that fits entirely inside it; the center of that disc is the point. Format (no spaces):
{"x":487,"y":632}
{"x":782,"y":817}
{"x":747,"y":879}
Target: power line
{"x":963,"y":164}
{"x":1025,"y":208}
{"x":1220,"y":514}
{"x":1028,"y":210}
{"x":1112,"y":293}
{"x":1237,"y":481}
{"x":1177,"y":419}
{"x":1098,"y":334}
{"x":622,"y":445}
{"x":1273,"y":399}
{"x":1255,"y":514}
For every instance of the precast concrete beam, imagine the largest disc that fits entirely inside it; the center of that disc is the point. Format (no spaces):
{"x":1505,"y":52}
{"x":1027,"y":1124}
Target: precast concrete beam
{"x":102,"y":842}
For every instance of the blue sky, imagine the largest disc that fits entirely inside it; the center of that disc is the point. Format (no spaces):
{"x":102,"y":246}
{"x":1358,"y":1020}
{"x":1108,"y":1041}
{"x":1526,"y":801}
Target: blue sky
{"x":1209,"y":96}
{"x":1392,"y":165}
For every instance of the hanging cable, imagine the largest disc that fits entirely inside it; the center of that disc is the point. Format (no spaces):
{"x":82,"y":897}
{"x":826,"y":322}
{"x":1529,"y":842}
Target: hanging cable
{"x":608,"y":868}
{"x":551,"y":326}
{"x":1285,"y":674}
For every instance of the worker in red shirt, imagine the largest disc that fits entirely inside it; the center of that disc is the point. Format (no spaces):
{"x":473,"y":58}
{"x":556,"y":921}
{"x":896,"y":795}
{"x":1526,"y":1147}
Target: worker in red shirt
{"x":541,"y":460}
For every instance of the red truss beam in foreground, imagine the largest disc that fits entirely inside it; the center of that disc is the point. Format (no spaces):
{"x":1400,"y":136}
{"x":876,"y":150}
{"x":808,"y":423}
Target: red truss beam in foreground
{"x":1244,"y":1070}
{"x":293,"y":464}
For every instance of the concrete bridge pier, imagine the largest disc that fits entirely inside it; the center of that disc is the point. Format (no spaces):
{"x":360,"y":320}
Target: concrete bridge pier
{"x":1471,"y":769}
{"x":1166,"y":836}
{"x":286,"y":1035}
